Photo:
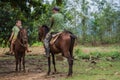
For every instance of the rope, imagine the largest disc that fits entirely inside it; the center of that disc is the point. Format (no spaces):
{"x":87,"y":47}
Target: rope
{"x":21,"y":43}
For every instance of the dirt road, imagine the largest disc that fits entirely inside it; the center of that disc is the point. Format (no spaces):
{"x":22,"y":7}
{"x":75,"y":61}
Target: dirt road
{"x":36,"y":66}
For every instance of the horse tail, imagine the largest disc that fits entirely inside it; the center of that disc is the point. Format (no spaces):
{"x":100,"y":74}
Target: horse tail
{"x":73,"y":37}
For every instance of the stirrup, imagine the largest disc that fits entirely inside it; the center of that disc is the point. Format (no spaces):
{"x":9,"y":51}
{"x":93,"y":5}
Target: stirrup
{"x":47,"y":53}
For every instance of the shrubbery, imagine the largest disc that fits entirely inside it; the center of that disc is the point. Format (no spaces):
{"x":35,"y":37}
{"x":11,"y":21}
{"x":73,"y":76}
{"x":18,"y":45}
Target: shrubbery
{"x":115,"y":55}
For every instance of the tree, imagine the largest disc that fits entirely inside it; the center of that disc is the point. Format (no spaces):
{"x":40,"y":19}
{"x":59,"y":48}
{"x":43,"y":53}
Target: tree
{"x":12,"y":10}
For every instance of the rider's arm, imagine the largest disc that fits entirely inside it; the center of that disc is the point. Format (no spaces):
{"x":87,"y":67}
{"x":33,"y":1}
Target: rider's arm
{"x":11,"y":36}
{"x":52,"y":21}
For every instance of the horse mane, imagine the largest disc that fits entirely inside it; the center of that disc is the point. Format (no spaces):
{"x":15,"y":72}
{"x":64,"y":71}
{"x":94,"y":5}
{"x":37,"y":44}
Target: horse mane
{"x":19,"y":36}
{"x":67,"y":31}
{"x":47,"y":29}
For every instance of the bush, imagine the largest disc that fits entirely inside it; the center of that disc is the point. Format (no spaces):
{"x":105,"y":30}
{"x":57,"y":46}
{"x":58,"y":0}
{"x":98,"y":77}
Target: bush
{"x":81,"y":55}
{"x":95,"y":55}
{"x":115,"y":55}
{"x":37,"y":44}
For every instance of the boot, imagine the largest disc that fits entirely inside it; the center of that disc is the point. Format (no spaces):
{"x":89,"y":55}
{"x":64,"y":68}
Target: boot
{"x":47,"y":50}
{"x":46,"y":44}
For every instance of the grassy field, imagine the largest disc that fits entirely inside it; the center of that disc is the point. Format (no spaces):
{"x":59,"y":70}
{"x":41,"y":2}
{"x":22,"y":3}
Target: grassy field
{"x":102,"y":70}
{"x":103,"y":65}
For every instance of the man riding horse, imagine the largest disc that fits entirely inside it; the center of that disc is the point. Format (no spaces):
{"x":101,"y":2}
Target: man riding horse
{"x":14,"y":34}
{"x":57,"y":25}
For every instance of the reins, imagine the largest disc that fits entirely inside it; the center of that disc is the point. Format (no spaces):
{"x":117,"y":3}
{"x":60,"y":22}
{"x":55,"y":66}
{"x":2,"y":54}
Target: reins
{"x":18,"y":39}
{"x":21,"y":43}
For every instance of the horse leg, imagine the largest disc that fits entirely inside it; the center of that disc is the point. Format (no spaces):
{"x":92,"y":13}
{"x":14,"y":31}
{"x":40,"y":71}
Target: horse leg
{"x":70,"y":57}
{"x":49,"y":66}
{"x":53,"y":59}
{"x":70,"y":62}
{"x":19,"y":63}
{"x":16,"y":59}
{"x":23,"y":62}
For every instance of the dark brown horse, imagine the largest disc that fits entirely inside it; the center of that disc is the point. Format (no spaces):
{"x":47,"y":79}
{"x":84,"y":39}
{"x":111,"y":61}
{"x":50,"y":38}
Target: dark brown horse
{"x":20,"y":48}
{"x":64,"y":44}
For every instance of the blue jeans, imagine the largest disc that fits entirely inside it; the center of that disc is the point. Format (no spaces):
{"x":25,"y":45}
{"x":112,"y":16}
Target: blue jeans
{"x":47,"y":44}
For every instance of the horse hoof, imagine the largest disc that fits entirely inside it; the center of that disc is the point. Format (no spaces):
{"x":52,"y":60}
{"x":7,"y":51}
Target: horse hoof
{"x":48,"y":73}
{"x":69,"y":75}
{"x":55,"y":72}
{"x":24,"y":71}
{"x":16,"y":70}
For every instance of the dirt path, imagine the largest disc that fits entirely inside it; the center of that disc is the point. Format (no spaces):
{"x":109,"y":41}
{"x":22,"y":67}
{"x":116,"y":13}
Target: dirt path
{"x":24,"y":76}
{"x":28,"y":76}
{"x":36,"y":66}
{"x":35,"y":50}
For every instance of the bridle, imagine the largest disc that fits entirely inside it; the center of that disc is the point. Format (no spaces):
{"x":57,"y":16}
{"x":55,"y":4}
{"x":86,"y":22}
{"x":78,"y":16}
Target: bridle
{"x":21,"y":38}
{"x":23,"y":45}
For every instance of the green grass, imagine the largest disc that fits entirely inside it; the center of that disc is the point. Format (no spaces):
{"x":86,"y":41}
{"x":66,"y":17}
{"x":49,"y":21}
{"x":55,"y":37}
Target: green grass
{"x":97,"y":52}
{"x":103,"y":70}
{"x":37,"y":44}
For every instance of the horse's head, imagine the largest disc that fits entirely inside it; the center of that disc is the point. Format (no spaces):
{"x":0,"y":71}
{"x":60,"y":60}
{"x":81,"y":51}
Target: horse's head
{"x":22,"y":36}
{"x":43,"y":30}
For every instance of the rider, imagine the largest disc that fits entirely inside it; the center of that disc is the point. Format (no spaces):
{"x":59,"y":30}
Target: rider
{"x":13,"y":37}
{"x":57,"y":25}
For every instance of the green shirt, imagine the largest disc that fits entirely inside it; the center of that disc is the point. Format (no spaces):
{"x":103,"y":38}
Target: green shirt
{"x":15,"y":29}
{"x":58,"y":22}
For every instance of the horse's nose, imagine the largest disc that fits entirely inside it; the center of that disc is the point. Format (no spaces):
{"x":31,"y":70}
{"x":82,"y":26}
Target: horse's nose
{"x":25,"y":39}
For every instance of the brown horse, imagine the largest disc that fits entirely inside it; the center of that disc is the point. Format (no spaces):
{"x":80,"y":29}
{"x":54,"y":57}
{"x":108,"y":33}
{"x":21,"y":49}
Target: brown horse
{"x":20,"y":48}
{"x":64,"y":44}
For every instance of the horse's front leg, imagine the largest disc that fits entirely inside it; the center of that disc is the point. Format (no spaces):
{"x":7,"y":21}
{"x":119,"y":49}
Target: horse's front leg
{"x":23,"y":62}
{"x":16,"y":59}
{"x":49,"y":65}
{"x":53,"y":59}
{"x":16,"y":62}
{"x":19,"y":63}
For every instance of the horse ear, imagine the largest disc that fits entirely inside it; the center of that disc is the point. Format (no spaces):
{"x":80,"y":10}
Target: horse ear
{"x":39,"y":27}
{"x":26,"y":29}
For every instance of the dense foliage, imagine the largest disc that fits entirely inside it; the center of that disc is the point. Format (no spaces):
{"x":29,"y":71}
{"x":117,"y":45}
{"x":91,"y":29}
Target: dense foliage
{"x":95,"y":21}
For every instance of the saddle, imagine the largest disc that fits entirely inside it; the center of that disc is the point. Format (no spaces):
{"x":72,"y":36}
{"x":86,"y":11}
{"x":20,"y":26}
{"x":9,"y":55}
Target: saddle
{"x":54,"y":37}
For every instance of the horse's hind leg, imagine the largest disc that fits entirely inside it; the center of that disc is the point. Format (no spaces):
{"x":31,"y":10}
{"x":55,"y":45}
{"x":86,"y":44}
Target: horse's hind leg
{"x":53,"y":59}
{"x":70,"y":57}
{"x":49,"y":66}
{"x":70,"y":62}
